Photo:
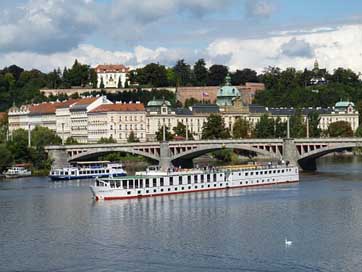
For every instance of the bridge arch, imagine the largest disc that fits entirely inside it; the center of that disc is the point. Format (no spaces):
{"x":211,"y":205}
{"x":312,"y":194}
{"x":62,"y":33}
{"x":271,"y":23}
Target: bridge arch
{"x":204,"y":149}
{"x":308,"y":160}
{"x":92,"y":153}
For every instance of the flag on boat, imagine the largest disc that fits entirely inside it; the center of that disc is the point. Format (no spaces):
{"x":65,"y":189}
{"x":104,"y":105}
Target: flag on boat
{"x":205,"y":94}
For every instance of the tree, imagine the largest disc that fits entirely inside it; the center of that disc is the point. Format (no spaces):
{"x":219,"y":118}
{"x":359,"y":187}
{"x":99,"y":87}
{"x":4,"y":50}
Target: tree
{"x":18,"y":145}
{"x":104,"y":140}
{"x":6,"y":157}
{"x":71,"y":141}
{"x":180,"y":130}
{"x":132,"y":138}
{"x":214,"y":128}
{"x":280,"y":128}
{"x":152,"y":74}
{"x":191,"y":101}
{"x":168,"y":135}
{"x":241,"y":129}
{"x":264,"y":128}
{"x":182,"y":72}
{"x":101,"y":85}
{"x":200,"y":73}
{"x":340,"y":129}
{"x":243,"y":76}
{"x":314,"y":119}
{"x":359,"y":132}
{"x":297,"y":126}
{"x":119,"y":84}
{"x":42,"y":136}
{"x":217,"y":74}
{"x":3,"y":127}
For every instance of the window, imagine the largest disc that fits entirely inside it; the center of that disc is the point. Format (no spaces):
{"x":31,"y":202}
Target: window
{"x":214,"y":177}
{"x":171,"y":181}
{"x":131,"y":184}
{"x":202,"y":178}
{"x":128,"y":193}
{"x":124,"y":184}
{"x":161,"y":181}
{"x":147,"y":183}
{"x":136,"y":183}
{"x":196,"y":178}
{"x":154,"y":182}
{"x":180,"y":180}
{"x":188,"y":179}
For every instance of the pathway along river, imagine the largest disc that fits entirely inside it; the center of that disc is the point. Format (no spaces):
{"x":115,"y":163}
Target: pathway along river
{"x":55,"y":226}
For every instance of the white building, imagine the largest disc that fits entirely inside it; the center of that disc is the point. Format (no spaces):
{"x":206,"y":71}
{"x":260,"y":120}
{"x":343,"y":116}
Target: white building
{"x":111,"y":75}
{"x":117,"y":121}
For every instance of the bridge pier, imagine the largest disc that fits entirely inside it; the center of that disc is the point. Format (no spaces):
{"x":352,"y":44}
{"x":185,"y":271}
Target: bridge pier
{"x":59,"y":158}
{"x":165,"y":156}
{"x":290,"y":152}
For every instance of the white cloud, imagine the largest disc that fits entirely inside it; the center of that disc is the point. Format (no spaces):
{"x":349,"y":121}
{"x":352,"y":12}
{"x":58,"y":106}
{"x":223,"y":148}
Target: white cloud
{"x":260,"y":8}
{"x":46,"y":26}
{"x":334,"y":48}
{"x":338,"y":47}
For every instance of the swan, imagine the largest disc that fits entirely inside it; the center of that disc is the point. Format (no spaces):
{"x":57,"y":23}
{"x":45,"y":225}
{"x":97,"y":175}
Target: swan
{"x":288,"y":243}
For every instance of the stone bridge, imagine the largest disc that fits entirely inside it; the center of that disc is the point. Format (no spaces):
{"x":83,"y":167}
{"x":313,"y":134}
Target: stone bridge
{"x":303,"y":152}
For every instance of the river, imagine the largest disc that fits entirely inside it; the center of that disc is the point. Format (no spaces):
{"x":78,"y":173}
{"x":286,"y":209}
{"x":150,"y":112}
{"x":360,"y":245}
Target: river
{"x":56,"y":226}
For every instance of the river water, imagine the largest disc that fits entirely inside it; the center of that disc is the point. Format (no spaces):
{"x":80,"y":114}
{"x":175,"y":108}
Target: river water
{"x":56,"y":226}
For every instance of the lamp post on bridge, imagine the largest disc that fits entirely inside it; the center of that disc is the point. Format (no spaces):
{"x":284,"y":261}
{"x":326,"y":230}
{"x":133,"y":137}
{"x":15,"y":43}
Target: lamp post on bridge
{"x":29,"y":135}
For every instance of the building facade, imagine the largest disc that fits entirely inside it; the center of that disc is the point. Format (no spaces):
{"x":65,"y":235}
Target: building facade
{"x":111,"y":75}
{"x":87,"y":120}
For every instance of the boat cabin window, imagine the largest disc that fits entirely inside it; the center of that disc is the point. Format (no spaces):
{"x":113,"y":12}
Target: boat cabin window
{"x":208,"y":177}
{"x":136,"y":183}
{"x":214,"y":177}
{"x":65,"y":173}
{"x":124,"y":184}
{"x":154,"y":182}
{"x":147,"y":183}
{"x":180,"y":180}
{"x":188,"y":179}
{"x":171,"y":181}
{"x":130,"y":184}
{"x":161,"y":181}
{"x":202,"y":178}
{"x":141,"y":183}
{"x":196,"y":177}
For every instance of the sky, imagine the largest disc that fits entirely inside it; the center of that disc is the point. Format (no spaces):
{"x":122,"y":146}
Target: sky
{"x":47,"y":34}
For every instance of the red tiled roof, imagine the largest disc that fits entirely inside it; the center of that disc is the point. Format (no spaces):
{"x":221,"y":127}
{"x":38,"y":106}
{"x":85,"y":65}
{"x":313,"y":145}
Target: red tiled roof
{"x":85,"y":101}
{"x":111,"y":68}
{"x":120,"y":107}
{"x":47,"y":108}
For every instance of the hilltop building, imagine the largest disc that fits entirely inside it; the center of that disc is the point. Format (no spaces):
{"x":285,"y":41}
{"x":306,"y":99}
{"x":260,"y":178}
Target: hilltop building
{"x":111,"y":75}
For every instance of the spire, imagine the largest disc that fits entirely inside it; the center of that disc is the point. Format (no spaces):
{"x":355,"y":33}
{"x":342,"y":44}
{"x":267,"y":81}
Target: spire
{"x":228,"y":80}
{"x":316,"y":65}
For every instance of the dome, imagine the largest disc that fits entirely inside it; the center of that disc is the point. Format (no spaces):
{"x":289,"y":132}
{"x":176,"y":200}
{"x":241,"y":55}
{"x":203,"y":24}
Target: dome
{"x":158,"y":103}
{"x":228,"y":91}
{"x":343,"y":104}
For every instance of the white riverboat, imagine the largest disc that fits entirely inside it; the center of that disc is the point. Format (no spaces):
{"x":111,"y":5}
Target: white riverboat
{"x":86,"y":170}
{"x":17,"y":172}
{"x":154,"y":183}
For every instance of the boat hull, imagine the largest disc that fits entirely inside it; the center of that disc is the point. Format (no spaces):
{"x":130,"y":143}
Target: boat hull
{"x":60,"y":178}
{"x":141,"y":186}
{"x":115,"y":197}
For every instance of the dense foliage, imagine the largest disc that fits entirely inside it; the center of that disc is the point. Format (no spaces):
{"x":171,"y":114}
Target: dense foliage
{"x":214,"y":128}
{"x":19,"y":86}
{"x":340,"y":129}
{"x":16,"y":150}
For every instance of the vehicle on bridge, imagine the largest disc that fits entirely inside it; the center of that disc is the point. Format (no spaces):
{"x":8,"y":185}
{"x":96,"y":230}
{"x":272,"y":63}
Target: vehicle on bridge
{"x":91,"y":169}
{"x":176,"y":181}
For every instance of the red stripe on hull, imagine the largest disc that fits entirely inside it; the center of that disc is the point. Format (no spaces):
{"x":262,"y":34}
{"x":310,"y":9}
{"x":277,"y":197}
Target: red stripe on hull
{"x":191,"y":191}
